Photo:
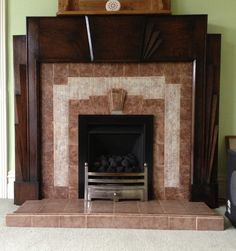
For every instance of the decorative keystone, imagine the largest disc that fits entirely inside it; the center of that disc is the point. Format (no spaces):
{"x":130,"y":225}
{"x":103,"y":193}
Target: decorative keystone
{"x":116,"y":99}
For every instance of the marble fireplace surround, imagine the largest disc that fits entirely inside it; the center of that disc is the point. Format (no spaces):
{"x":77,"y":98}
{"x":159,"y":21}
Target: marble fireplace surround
{"x":164,"y":90}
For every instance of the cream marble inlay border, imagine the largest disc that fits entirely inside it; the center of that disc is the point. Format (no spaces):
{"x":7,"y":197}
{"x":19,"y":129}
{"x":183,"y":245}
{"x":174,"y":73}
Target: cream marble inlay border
{"x":80,"y":88}
{"x":172,"y":135}
{"x":83,"y":87}
{"x":61,"y":134}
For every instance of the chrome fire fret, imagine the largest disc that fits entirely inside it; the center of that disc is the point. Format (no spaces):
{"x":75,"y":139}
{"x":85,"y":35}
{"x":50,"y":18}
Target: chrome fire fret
{"x":116,"y":186}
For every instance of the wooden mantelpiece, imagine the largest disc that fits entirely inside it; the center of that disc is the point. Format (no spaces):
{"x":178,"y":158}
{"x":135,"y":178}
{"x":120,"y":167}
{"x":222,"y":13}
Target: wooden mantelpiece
{"x":92,"y":7}
{"x":130,"y":39}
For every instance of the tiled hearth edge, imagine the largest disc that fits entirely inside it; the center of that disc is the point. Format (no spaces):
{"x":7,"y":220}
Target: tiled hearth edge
{"x":131,"y":221}
{"x":165,"y":215}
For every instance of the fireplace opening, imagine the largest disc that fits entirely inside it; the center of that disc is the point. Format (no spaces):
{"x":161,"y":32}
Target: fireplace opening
{"x":116,"y":150}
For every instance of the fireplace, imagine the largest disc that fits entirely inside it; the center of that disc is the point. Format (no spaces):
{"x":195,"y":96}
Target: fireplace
{"x":69,"y":91}
{"x":118,"y":144}
{"x":167,"y":65}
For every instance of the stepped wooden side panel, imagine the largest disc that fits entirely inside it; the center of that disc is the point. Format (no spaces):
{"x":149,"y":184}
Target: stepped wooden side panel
{"x":207,"y":174}
{"x":21,"y":107}
{"x":23,"y":187}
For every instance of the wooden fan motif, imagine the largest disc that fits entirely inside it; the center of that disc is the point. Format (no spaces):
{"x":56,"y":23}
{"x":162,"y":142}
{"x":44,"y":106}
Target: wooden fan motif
{"x":152,"y":41}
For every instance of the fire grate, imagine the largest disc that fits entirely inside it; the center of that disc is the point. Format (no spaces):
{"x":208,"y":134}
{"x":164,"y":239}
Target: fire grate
{"x":116,"y":186}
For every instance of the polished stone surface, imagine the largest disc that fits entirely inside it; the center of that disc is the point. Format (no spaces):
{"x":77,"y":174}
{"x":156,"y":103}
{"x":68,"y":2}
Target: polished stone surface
{"x":176,"y":215}
{"x":161,"y":89}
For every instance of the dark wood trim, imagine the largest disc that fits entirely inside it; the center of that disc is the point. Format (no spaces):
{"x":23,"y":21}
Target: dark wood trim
{"x":21,"y":148}
{"x":25,"y":191}
{"x":213,"y":73}
{"x":20,"y":55}
{"x":205,"y":187}
{"x":79,"y":7}
{"x":207,"y":193}
{"x":23,"y":187}
{"x":22,"y":163}
{"x":129,"y":38}
{"x":33,"y":102}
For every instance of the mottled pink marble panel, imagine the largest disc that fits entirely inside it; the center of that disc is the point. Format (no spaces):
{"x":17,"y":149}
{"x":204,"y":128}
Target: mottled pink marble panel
{"x":99,"y":105}
{"x":180,"y":73}
{"x":108,"y":70}
{"x":60,"y":192}
{"x":47,"y":127}
{"x":81,"y":70}
{"x":73,"y":176}
{"x":48,"y":191}
{"x":158,"y":181}
{"x":47,"y":165}
{"x":73,"y":193}
{"x":133,"y":105}
{"x":74,"y":70}
{"x":146,"y":70}
{"x":131,"y":70}
{"x":60,"y":74}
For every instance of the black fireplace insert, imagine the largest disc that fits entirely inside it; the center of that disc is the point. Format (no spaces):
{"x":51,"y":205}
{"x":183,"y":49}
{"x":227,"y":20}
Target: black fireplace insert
{"x":116,"y":144}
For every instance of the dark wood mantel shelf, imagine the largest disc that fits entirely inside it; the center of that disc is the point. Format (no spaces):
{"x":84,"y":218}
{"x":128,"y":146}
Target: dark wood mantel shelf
{"x":118,"y":38}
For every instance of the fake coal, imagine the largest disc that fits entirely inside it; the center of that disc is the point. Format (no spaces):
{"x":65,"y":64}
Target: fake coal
{"x":116,"y":163}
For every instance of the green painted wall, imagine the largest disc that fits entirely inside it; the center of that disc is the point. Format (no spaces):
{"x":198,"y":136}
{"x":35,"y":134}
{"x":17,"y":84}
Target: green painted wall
{"x":222,"y":19}
{"x":17,"y":11}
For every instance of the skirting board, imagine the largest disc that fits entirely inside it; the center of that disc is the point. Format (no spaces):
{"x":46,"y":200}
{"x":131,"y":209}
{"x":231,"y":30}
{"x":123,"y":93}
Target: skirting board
{"x":10,"y":184}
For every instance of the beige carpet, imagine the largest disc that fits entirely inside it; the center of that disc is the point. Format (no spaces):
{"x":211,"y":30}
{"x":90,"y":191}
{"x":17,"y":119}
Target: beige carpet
{"x":56,"y":239}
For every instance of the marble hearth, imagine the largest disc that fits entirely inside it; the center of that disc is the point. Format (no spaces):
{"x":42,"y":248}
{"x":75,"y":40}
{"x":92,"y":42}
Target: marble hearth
{"x":174,"y":215}
{"x":164,"y":90}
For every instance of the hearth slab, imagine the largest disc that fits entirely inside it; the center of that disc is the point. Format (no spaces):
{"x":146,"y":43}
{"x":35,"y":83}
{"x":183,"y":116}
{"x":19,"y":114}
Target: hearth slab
{"x":176,"y":215}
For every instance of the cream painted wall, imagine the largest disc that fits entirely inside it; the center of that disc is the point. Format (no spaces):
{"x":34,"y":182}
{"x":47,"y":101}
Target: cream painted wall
{"x":222,"y":19}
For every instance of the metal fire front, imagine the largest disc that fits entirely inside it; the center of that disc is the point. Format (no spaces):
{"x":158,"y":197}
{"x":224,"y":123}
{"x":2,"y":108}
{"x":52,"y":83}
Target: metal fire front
{"x":116,"y":186}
